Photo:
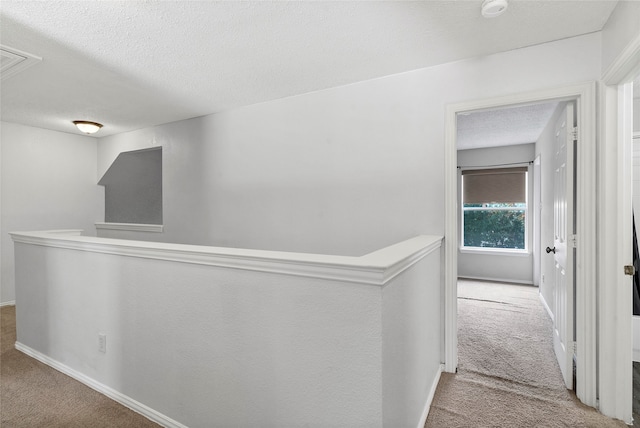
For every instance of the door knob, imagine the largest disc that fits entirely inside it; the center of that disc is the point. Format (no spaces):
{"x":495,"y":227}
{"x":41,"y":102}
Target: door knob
{"x":551,"y":250}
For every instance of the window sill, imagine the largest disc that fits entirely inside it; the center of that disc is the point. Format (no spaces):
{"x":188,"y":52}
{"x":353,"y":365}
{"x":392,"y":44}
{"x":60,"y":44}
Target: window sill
{"x":132,"y":227}
{"x":495,"y":252}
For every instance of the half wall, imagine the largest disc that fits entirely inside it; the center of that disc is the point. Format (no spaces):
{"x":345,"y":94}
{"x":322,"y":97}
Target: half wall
{"x":200,"y":336}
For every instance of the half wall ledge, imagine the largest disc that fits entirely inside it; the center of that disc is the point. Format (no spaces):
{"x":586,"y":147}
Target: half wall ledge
{"x":132,"y":227}
{"x":376,"y":268}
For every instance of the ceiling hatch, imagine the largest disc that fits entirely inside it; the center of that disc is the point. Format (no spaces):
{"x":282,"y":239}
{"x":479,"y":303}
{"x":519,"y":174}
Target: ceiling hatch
{"x":13,"y":61}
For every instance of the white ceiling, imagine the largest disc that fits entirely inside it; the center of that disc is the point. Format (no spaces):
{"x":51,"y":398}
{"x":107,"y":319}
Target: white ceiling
{"x":503,"y":126}
{"x":133,"y":64}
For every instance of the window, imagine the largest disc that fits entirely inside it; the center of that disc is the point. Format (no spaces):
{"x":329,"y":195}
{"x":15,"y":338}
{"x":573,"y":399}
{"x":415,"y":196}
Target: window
{"x":494,"y":208}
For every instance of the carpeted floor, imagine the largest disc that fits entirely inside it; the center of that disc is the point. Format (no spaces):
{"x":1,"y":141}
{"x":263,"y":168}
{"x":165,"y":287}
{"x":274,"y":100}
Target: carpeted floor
{"x":507,"y":372}
{"x":34,"y":395}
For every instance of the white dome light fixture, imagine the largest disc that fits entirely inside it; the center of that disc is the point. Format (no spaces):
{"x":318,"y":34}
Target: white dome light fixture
{"x":87,"y":127}
{"x":493,"y":8}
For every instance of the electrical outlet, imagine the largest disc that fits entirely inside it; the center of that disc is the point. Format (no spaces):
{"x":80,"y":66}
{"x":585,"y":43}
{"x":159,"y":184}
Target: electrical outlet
{"x":102,"y":342}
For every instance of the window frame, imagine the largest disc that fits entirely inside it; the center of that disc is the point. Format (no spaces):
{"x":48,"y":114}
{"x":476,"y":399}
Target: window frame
{"x":493,"y":250}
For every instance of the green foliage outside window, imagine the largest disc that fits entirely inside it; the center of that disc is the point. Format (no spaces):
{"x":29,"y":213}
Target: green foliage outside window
{"x":494,"y":228}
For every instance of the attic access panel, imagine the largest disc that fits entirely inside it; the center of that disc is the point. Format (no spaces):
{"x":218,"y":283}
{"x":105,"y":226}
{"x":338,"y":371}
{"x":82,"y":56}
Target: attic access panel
{"x":13,"y":61}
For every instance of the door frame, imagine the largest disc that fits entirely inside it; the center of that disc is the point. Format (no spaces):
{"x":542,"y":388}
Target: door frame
{"x":615,"y":380}
{"x":537,"y":220}
{"x":585,"y":97}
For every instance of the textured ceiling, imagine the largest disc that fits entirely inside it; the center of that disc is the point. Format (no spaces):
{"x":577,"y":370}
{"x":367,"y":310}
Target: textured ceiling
{"x":132,"y":64}
{"x":504,"y":126}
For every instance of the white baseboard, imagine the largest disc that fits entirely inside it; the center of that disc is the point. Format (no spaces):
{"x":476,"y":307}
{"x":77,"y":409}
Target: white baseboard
{"x":125,"y":400}
{"x":9,"y":303}
{"x":546,"y":307}
{"x":509,"y":281}
{"x":432,"y":393}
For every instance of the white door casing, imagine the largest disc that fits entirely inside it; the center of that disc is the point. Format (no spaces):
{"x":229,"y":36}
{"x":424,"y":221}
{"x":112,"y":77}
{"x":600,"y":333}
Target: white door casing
{"x":615,"y":294}
{"x":585,"y":310}
{"x":615,"y":375}
{"x":537,"y":220}
{"x":562,"y":251}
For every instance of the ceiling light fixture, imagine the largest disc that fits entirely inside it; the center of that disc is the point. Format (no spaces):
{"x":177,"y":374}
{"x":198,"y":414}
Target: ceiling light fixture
{"x":493,"y":8}
{"x":87,"y":127}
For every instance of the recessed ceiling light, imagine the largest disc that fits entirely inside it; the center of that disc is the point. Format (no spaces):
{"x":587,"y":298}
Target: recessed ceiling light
{"x":493,"y":8}
{"x":87,"y":127}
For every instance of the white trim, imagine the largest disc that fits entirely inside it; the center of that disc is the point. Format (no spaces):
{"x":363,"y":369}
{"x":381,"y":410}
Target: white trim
{"x":9,"y":303}
{"x":585,"y":262}
{"x":376,"y":268}
{"x":626,"y":65}
{"x":585,"y":259}
{"x":494,"y":208}
{"x":125,"y":400}
{"x":67,"y":232}
{"x":495,"y":251}
{"x":546,"y":306}
{"x":491,"y":279}
{"x":536,"y":217}
{"x":615,"y":346}
{"x":432,"y":393}
{"x":451,"y":240}
{"x":134,"y":227}
{"x":614,"y":330}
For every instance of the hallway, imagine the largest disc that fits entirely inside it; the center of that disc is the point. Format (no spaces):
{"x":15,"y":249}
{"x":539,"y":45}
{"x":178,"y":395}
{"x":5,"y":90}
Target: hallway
{"x":507,"y":372}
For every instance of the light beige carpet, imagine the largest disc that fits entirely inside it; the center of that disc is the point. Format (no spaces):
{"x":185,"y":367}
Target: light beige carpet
{"x":507,"y":372}
{"x":34,"y":395}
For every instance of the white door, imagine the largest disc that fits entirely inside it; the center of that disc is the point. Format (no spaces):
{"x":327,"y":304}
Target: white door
{"x":563,"y":249}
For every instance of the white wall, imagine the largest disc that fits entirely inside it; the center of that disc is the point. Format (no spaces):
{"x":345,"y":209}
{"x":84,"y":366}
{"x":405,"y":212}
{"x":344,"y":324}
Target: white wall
{"x":339,"y":171}
{"x":411,"y":347}
{"x":206,"y":345}
{"x":503,"y":266}
{"x":48,"y":182}
{"x":620,"y":29}
{"x":545,"y":148}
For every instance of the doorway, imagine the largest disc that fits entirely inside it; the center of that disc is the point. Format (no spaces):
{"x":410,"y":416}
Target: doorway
{"x":500,"y":217}
{"x":584,"y":96}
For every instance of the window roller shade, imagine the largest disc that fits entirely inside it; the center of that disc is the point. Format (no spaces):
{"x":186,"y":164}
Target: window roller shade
{"x":503,"y":185}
